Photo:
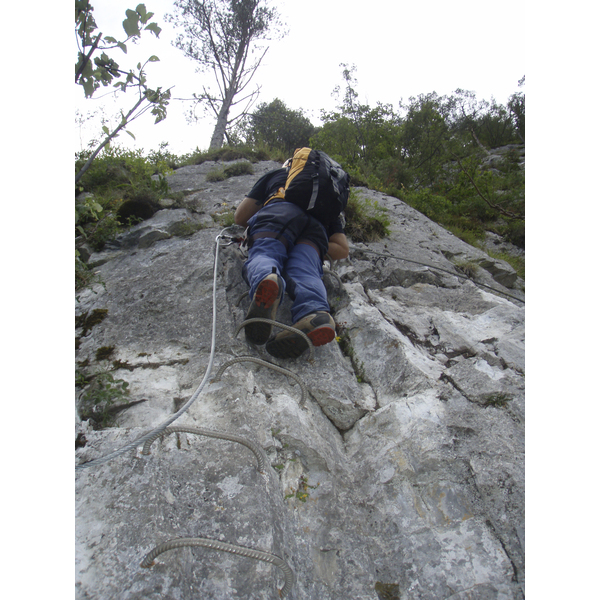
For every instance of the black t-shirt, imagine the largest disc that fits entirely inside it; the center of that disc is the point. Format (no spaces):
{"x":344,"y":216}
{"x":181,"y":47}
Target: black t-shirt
{"x":268,"y":185}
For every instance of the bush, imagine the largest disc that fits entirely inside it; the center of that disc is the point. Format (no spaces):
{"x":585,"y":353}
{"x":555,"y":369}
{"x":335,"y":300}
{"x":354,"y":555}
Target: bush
{"x":100,"y":392}
{"x":366,"y":221}
{"x":123,"y":189}
{"x":238,"y":168}
{"x":393,"y":173}
{"x":224,"y":219}
{"x":432,"y":205}
{"x":216,"y":175}
{"x":116,"y":168}
{"x":514,"y":232}
{"x":230,"y":153}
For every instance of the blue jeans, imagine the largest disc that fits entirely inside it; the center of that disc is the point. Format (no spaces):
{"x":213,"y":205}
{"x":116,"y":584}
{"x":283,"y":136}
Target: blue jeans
{"x":283,"y":236}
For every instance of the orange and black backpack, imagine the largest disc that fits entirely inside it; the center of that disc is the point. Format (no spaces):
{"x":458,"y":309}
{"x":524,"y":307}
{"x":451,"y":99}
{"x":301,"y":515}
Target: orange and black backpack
{"x":317,"y":184}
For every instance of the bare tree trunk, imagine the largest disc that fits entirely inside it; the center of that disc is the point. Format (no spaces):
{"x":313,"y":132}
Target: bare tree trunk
{"x":218,"y":135}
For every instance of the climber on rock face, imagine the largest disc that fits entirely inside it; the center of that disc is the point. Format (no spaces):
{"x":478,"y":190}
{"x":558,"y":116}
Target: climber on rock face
{"x":288,"y":239}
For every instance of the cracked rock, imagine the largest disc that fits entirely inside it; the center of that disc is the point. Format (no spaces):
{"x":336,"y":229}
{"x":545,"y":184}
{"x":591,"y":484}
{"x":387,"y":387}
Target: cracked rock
{"x":401,"y":474}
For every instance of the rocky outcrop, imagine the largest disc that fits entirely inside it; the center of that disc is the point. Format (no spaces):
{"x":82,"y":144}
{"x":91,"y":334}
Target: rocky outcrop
{"x":396,"y":473}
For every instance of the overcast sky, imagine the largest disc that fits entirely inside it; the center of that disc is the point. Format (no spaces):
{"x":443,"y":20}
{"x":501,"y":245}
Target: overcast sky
{"x":400,"y":49}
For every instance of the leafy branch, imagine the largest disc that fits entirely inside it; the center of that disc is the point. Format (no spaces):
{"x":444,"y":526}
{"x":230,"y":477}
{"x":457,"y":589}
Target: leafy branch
{"x":91,"y":74}
{"x":154,"y":97}
{"x":103,"y":70}
{"x":484,"y":197}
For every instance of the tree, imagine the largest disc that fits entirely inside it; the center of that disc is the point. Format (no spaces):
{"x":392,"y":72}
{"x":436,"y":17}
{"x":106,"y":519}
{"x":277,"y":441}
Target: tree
{"x":223,"y":36}
{"x":464,"y":112}
{"x":103,"y":69}
{"x":516,"y":106}
{"x":356,"y":133}
{"x":424,"y":133}
{"x":278,"y":127}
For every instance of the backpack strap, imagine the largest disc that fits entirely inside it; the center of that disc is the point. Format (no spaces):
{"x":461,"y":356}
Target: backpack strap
{"x":279,"y":195}
{"x":315,"y":178}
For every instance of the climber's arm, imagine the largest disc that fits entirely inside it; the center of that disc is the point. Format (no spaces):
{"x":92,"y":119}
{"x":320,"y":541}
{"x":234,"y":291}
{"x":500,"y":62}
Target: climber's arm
{"x":247,"y":208}
{"x":338,"y":246}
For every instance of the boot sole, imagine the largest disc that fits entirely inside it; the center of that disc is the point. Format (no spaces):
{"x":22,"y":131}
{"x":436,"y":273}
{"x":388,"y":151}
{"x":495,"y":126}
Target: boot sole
{"x":292,"y":346}
{"x":321,"y":335}
{"x":266,"y":294}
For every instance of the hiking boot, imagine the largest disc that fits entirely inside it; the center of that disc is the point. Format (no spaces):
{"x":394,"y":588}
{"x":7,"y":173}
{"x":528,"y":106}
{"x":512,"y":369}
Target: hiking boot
{"x":319,"y":327}
{"x":264,"y":305}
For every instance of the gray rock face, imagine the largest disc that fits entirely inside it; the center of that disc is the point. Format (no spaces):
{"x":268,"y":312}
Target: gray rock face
{"x":399,"y":475}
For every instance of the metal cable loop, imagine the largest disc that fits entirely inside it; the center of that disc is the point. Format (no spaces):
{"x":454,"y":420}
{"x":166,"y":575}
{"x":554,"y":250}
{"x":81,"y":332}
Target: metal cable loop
{"x":264,"y":363}
{"x":230,"y":437}
{"x":223,"y":546}
{"x":239,"y":300}
{"x":163,"y":430}
{"x":335,"y":275}
{"x":277,"y":324}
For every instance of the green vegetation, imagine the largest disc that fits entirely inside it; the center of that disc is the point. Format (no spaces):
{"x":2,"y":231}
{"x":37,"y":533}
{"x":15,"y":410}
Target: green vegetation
{"x":115,"y":178}
{"x":366,"y":220}
{"x":276,"y":126}
{"x":433,"y":152}
{"x":302,"y":492}
{"x":101,"y":392}
{"x":345,"y":343}
{"x":88,"y":321}
{"x":229,"y":154}
{"x":187,"y":228}
{"x":238,"y":168}
{"x":122,"y":186}
{"x":516,"y":262}
{"x":497,"y":400}
{"x":468,"y":268}
{"x":224,"y":219}
{"x":103,"y":70}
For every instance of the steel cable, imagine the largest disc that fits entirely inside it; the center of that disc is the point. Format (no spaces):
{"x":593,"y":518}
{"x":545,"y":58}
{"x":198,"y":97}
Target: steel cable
{"x":416,"y":262}
{"x":264,"y":363}
{"x":223,"y":546}
{"x":277,"y":324}
{"x":230,"y":437}
{"x":163,"y":430}
{"x":185,"y":407}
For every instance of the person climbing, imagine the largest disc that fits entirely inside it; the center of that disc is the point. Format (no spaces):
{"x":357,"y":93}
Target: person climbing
{"x":287,"y":246}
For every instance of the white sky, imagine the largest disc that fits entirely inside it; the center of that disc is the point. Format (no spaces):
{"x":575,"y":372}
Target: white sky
{"x":400,"y":50}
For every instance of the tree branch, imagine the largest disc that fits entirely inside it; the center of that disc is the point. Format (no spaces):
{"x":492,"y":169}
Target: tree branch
{"x":497,"y":207}
{"x":86,"y":59}
{"x":109,"y":137}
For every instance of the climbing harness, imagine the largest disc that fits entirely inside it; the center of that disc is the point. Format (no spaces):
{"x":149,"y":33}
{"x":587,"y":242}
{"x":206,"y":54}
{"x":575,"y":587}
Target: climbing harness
{"x":163,"y":430}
